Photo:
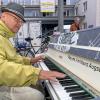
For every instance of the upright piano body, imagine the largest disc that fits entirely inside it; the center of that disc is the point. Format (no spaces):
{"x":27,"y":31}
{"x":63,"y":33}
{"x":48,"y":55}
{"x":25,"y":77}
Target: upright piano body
{"x":77,"y":54}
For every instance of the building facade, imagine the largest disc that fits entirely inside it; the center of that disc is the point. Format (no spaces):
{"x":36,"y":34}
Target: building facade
{"x":73,"y":1}
{"x":32,"y":10}
{"x":48,"y":20}
{"x":91,"y":10}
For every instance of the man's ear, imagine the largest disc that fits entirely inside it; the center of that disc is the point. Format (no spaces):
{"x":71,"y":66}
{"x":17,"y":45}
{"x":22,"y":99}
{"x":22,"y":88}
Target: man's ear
{"x":2,"y":15}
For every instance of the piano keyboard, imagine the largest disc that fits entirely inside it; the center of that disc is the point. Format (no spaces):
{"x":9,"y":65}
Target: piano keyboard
{"x":66,"y":88}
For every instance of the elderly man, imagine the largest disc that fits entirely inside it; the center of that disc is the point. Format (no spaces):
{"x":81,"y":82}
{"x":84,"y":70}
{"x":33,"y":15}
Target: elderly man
{"x":75,"y":25}
{"x":16,"y":72}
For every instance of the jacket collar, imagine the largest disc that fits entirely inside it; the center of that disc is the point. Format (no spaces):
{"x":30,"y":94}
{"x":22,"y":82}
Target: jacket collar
{"x":5,"y":31}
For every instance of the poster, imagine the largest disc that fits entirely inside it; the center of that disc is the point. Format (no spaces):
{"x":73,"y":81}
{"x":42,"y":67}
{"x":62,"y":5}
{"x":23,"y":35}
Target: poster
{"x":47,"y":6}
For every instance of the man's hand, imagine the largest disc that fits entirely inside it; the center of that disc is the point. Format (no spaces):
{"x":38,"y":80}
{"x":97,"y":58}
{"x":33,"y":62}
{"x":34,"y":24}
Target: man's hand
{"x":50,"y":75}
{"x":37,"y":58}
{"x":40,"y":57}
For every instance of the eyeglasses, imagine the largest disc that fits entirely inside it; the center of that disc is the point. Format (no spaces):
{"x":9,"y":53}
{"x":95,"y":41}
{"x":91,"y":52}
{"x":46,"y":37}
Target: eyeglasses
{"x":18,"y":20}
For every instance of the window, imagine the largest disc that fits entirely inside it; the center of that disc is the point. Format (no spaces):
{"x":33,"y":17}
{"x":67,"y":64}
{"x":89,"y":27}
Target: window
{"x":76,"y":11}
{"x":47,"y":14}
{"x":68,"y":13}
{"x":31,"y":13}
{"x":68,"y":2}
{"x":85,"y":6}
{"x":85,"y":25}
{"x":64,"y":2}
{"x":64,"y":14}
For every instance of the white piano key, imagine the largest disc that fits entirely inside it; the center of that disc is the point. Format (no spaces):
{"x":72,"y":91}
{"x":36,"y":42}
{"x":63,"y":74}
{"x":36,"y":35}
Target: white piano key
{"x":43,"y":66}
{"x":69,"y":86}
{"x":77,"y":91}
{"x":59,"y":90}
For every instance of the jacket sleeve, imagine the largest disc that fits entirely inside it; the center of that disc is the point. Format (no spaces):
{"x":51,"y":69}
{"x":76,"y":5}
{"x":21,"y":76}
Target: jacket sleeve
{"x":14,"y":74}
{"x":25,"y":60}
{"x":71,"y":27}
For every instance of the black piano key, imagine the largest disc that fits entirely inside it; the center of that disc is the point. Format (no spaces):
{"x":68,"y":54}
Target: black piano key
{"x":56,"y":70}
{"x":65,"y":78}
{"x":60,"y":79}
{"x":86,"y":97}
{"x":77,"y":94}
{"x":68,"y":81}
{"x":52,"y":66}
{"x":74,"y":89}
{"x":67,"y":84}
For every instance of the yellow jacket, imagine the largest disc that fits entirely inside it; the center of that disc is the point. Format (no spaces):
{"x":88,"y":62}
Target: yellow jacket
{"x":15,"y":70}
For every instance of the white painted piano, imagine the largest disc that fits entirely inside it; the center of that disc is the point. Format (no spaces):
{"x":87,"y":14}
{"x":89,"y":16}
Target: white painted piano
{"x":76,"y":54}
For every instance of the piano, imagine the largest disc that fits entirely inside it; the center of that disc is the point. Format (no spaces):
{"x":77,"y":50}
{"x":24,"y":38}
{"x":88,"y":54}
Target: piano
{"x":77,"y":54}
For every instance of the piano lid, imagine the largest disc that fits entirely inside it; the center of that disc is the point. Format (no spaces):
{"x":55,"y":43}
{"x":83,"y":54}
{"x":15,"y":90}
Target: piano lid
{"x":84,"y":43}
